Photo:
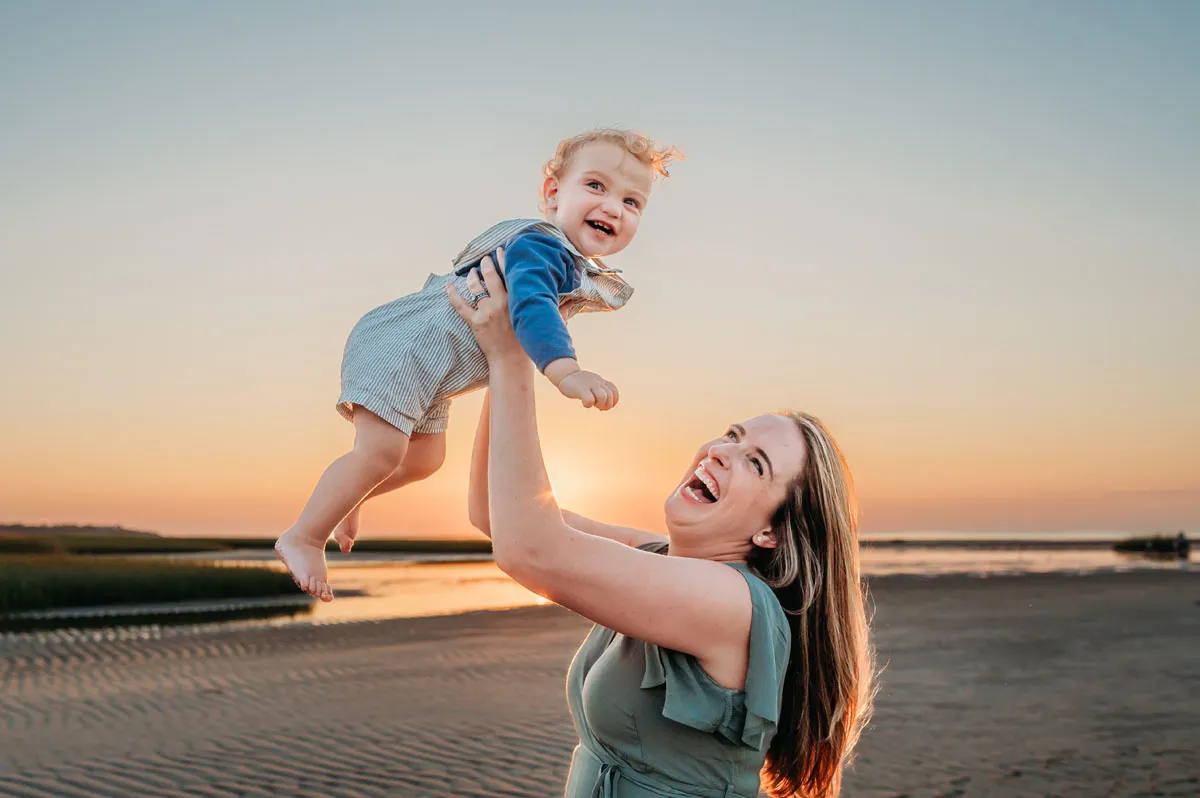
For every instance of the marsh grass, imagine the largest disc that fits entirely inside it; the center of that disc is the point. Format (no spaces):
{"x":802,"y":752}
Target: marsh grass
{"x":48,"y":543}
{"x":41,"y":582}
{"x":103,"y":544}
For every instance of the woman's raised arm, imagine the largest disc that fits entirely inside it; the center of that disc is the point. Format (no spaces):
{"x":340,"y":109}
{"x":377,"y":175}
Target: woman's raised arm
{"x":477,"y":496}
{"x":696,"y":606}
{"x":477,"y":488}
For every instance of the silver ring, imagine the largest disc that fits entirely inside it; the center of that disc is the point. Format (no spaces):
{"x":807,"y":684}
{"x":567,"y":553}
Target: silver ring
{"x":480,"y":296}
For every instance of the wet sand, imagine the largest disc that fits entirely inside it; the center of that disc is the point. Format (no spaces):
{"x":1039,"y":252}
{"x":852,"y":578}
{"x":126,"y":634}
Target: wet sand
{"x":1016,"y":686}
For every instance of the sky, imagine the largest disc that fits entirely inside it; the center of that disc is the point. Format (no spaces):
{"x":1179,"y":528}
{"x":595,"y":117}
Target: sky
{"x":963,"y":234}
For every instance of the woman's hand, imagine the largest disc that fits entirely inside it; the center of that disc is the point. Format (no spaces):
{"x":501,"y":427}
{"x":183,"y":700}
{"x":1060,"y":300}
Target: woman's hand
{"x":489,"y":319}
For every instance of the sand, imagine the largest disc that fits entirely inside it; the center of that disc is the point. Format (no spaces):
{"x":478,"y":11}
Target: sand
{"x":1014,"y":686}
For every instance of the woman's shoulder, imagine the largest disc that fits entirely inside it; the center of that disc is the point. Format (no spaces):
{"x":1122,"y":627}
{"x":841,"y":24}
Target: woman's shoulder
{"x":766,"y":606}
{"x":761,"y":594}
{"x":770,"y":632}
{"x":768,"y":611}
{"x":693,"y":698}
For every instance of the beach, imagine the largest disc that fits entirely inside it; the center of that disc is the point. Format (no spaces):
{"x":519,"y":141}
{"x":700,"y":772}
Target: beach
{"x":1034,"y":685}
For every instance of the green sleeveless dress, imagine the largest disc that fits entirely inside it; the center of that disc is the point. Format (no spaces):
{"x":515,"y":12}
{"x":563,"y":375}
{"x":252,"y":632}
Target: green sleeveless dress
{"x":653,"y":723}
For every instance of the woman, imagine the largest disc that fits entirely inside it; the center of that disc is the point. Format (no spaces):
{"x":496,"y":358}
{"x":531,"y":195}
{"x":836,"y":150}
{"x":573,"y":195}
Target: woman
{"x":747,"y":643}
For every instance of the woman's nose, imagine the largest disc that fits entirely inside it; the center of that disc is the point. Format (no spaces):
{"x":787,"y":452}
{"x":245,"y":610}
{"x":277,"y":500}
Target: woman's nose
{"x":720,"y":453}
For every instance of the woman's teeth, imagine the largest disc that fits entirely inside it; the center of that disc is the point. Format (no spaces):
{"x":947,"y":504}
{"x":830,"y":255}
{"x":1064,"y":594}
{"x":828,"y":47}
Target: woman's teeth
{"x":702,"y":487}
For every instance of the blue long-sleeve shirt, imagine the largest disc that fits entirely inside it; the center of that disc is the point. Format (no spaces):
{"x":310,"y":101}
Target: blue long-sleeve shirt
{"x":538,"y":268}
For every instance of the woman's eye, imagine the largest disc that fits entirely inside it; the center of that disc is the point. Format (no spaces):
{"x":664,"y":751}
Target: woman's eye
{"x":758,"y":466}
{"x":731,"y":435}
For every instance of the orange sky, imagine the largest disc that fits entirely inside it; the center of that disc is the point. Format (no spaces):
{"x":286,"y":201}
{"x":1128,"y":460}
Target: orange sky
{"x":235,"y":477}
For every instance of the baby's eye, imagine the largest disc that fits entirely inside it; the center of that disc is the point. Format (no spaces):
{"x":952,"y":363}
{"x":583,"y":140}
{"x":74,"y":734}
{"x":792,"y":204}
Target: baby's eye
{"x":594,"y":184}
{"x":632,"y":203}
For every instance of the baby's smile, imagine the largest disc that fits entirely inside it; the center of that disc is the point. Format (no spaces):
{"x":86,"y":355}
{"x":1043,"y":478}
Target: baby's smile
{"x":601,"y":227}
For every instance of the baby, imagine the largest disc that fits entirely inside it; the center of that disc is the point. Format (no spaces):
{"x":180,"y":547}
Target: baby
{"x":404,"y":361}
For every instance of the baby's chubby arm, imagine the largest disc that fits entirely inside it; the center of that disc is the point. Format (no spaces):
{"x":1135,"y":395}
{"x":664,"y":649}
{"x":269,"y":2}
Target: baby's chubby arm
{"x":536,"y":269}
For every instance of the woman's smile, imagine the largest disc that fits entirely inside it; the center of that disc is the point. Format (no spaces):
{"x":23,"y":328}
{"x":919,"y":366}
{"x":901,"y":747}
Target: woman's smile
{"x":703,"y":487}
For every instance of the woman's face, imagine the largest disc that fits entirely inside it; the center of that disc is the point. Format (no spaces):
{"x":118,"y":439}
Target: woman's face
{"x":737,"y":482}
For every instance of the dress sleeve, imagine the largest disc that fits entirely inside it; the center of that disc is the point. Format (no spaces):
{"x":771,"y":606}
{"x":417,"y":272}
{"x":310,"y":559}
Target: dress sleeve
{"x":770,"y":650}
{"x":748,"y":716}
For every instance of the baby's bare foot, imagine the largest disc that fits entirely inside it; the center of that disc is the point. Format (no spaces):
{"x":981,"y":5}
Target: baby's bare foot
{"x":305,"y":561}
{"x":347,"y":531}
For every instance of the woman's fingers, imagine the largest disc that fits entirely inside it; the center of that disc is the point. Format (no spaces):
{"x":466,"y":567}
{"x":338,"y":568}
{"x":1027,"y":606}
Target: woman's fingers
{"x":474,"y":285}
{"x":487,"y":269}
{"x":491,"y":279}
{"x":481,"y":301}
{"x":459,"y":304}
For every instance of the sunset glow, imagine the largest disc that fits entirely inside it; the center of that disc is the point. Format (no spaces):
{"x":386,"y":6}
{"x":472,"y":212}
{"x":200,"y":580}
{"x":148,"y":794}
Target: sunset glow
{"x":972,"y":253}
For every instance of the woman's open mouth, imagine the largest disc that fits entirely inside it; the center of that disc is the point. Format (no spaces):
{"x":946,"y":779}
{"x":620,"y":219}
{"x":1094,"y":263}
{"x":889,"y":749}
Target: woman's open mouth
{"x":702,"y":488}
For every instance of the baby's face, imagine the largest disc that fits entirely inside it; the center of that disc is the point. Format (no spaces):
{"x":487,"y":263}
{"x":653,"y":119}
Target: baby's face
{"x":599,"y":199}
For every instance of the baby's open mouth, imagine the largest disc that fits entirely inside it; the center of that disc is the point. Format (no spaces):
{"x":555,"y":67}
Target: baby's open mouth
{"x":600,"y":227}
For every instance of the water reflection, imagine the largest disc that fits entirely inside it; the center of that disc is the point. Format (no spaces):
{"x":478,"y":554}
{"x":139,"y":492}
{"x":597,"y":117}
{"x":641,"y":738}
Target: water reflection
{"x":977,"y":561}
{"x":399,"y":589}
{"x":410,"y":590}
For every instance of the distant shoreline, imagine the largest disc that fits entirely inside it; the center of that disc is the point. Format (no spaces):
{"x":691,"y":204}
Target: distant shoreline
{"x":81,"y":539}
{"x":74,"y":529}
{"x":958,"y":543}
{"x":15,"y":539}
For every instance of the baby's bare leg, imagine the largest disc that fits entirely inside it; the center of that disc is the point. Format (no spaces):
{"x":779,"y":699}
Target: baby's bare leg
{"x":426,"y":453}
{"x":379,"y":448}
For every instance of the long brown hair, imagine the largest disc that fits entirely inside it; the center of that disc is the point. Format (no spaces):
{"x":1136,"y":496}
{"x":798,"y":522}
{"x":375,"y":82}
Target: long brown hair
{"x":814,"y":571}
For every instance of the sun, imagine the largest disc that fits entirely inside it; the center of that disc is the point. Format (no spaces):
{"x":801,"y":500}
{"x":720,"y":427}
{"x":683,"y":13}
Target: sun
{"x":572,"y":484}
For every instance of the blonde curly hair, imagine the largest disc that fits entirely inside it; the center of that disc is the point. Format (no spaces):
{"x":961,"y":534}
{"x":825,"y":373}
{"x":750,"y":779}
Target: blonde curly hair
{"x":637,"y":145}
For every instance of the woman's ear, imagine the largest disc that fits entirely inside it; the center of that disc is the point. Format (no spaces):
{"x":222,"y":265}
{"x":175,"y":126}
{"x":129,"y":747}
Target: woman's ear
{"x":550,"y":193}
{"x":765,"y":539}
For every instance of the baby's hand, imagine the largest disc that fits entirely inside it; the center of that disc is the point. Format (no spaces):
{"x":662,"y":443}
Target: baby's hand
{"x":590,"y":389}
